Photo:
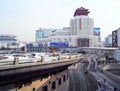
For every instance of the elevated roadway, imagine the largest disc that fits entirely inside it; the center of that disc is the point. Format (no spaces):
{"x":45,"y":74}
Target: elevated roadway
{"x":100,"y":51}
{"x":13,"y":73}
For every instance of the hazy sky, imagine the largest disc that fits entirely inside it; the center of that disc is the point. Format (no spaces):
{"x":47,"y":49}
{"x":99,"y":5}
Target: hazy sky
{"x":23,"y":17}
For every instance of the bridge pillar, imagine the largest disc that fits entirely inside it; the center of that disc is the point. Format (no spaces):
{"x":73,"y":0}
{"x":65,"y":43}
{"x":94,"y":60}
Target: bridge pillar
{"x":16,"y":61}
{"x":42,"y":59}
{"x":59,"y":58}
{"x":106,"y":58}
{"x":70,"y":56}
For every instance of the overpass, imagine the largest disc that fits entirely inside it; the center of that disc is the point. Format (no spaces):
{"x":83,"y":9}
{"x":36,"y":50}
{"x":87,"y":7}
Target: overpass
{"x":99,"y":51}
{"x":13,"y":73}
{"x":96,"y":50}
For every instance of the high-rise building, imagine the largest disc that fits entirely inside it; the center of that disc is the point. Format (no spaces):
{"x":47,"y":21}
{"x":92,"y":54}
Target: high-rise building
{"x":82,"y":25}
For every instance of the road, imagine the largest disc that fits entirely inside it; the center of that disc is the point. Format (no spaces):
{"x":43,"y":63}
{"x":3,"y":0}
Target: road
{"x":80,"y":80}
{"x":107,"y":84}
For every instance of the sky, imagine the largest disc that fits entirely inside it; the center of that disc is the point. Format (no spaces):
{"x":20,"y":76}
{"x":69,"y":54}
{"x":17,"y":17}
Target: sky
{"x":23,"y":17}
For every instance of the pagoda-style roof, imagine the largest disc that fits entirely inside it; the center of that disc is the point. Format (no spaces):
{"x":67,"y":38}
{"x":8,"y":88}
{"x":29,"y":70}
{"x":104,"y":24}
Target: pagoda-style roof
{"x":81,"y":11}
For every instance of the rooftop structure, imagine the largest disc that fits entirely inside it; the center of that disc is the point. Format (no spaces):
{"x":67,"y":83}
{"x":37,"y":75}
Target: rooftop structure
{"x":7,"y":38}
{"x":81,"y":11}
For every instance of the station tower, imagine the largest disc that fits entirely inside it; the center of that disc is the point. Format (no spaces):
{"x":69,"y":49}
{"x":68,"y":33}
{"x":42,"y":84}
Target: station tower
{"x":82,"y":26}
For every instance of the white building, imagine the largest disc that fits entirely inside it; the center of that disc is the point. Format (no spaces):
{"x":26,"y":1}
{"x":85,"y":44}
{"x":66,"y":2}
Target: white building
{"x":8,"y":41}
{"x":79,"y":34}
{"x":82,"y":26}
{"x":56,"y":35}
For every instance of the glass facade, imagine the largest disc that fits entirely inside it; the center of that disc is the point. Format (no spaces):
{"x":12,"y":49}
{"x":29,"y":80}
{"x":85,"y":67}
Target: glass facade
{"x":43,"y":33}
{"x":34,"y":48}
{"x":39,"y":34}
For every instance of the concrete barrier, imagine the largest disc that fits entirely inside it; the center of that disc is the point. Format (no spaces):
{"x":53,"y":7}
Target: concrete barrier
{"x":112,"y":76}
{"x":109,"y":74}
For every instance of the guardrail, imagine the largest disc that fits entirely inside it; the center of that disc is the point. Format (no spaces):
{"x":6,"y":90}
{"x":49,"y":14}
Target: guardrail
{"x":16,"y":60}
{"x":112,"y":76}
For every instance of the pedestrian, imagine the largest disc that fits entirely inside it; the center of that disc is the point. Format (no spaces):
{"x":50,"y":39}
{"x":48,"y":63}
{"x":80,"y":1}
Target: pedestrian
{"x":104,"y":80}
{"x":115,"y":89}
{"x":99,"y":83}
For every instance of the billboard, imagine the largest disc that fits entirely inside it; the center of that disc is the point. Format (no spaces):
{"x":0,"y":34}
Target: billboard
{"x":59,"y":44}
{"x":96,"y":31}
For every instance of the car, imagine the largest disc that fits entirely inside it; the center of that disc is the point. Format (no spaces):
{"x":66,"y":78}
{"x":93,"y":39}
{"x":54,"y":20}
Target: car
{"x":65,"y":56}
{"x":39,"y":57}
{"x":50,"y":57}
{"x":12,"y":57}
{"x":36,"y":57}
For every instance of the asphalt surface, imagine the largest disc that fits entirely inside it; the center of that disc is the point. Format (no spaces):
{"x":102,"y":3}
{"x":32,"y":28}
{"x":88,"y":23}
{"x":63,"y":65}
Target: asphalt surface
{"x":80,"y":80}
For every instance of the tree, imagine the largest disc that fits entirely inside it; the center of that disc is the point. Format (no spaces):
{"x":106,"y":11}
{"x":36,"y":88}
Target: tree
{"x":22,"y":48}
{"x":2,"y":48}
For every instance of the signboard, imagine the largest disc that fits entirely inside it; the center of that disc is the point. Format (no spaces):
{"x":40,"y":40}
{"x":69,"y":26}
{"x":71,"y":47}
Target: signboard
{"x":59,"y":44}
{"x":97,"y":31}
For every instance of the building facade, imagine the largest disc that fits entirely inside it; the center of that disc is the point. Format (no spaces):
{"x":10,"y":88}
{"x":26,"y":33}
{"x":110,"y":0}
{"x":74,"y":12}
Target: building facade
{"x":34,"y":47}
{"x":82,"y":25}
{"x":116,"y":38}
{"x":8,"y":41}
{"x":108,"y":41}
{"x":42,"y":33}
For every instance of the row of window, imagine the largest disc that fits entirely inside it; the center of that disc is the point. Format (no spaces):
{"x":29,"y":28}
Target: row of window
{"x":53,"y":85}
{"x":33,"y":49}
{"x":8,"y":40}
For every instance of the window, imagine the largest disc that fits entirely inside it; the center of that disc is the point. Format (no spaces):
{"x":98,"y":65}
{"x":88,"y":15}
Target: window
{"x":64,"y":78}
{"x":33,"y":89}
{"x":45,"y":88}
{"x":59,"y":81}
{"x":53,"y":85}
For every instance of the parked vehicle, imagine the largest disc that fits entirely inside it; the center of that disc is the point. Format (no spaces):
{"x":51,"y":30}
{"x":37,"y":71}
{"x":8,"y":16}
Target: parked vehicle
{"x":21,"y":57}
{"x":65,"y":55}
{"x":38,"y":57}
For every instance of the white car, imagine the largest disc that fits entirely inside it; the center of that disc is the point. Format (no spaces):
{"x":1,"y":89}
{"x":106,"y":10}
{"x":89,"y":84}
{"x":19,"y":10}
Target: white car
{"x":37,"y":57}
{"x":65,"y":56}
{"x":21,"y":57}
